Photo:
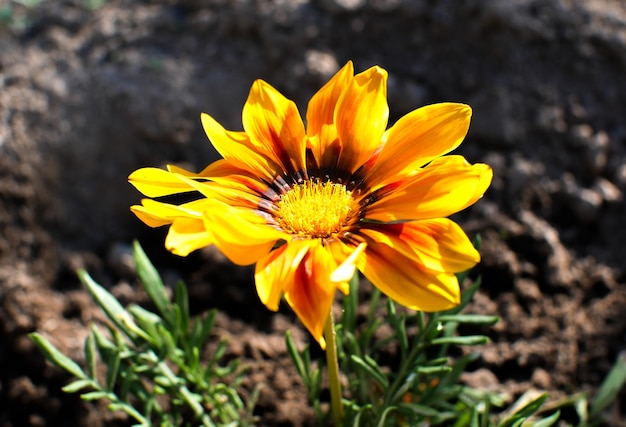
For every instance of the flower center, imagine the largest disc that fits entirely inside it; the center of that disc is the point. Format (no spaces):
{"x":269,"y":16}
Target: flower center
{"x":315,"y":209}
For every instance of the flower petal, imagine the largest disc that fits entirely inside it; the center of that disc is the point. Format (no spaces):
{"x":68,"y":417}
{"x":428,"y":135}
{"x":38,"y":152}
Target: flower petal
{"x":187,"y":235}
{"x":437,"y":244}
{"x":156,"y":214}
{"x":418,"y":138}
{"x":274,"y":126}
{"x":320,"y":126}
{"x":311,"y":293}
{"x":237,"y":146}
{"x":361,"y":118}
{"x":155,"y":182}
{"x":274,"y":271}
{"x":447,"y":185}
{"x":241,"y":234}
{"x":406,"y":281}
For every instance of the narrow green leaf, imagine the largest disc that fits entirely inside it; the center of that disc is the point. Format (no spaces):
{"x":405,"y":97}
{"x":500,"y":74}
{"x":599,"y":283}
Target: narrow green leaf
{"x":524,"y":412}
{"x":78,"y":385}
{"x":464,"y":340}
{"x":383,"y":417}
{"x":52,"y":354}
{"x":181,"y":299}
{"x":295,"y":356}
{"x":106,"y":348}
{"x":476,"y":319}
{"x":351,"y":304}
{"x":148,"y":325}
{"x":90,"y":355}
{"x":152,"y":283}
{"x":113,"y":367}
{"x":371,"y":369}
{"x":431,"y":370}
{"x":549,"y":421}
{"x":109,"y":304}
{"x":612,"y":384}
{"x":96,"y":395}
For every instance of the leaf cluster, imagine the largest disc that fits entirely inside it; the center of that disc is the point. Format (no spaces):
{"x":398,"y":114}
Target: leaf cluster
{"x":421,"y":384}
{"x":152,"y":360}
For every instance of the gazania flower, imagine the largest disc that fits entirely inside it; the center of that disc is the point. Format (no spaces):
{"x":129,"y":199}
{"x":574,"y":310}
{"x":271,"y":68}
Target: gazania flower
{"x":311,"y":204}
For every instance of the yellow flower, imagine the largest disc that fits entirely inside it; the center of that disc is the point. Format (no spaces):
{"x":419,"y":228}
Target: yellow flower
{"x":309,"y":205}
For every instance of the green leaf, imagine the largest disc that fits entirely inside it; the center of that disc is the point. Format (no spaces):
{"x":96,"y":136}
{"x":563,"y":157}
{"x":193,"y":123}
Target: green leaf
{"x":612,"y":384}
{"x":78,"y":385}
{"x":52,"y":354}
{"x":106,"y":348}
{"x":525,"y":411}
{"x":148,"y":323}
{"x":90,"y":355}
{"x":295,"y":356}
{"x":181,"y":300}
{"x":152,"y":283}
{"x":547,"y":422}
{"x":371,"y":368}
{"x":475,"y":319}
{"x":113,"y":366}
{"x":383,"y":416}
{"x":351,"y":304}
{"x":463,"y":340}
{"x":417,"y":409}
{"x":96,"y":395}
{"x":109,"y":304}
{"x":431,"y":370}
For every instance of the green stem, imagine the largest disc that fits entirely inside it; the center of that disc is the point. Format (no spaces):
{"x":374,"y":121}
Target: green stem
{"x":333,"y":371}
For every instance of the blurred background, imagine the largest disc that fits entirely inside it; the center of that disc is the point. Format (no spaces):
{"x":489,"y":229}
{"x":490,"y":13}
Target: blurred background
{"x":91,"y":90}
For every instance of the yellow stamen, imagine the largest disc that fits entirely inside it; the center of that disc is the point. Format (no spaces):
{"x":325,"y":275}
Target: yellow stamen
{"x":315,"y":209}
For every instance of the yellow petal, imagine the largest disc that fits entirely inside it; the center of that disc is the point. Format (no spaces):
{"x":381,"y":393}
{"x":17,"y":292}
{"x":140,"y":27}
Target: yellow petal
{"x":156,"y":214}
{"x":236,"y":146}
{"x":186,"y":235}
{"x":227,"y":190}
{"x":320,"y":112}
{"x":311,"y":293}
{"x":406,"y":281}
{"x":241,"y":234}
{"x":419,"y":137}
{"x":437,"y":244}
{"x":274,"y":126}
{"x":447,"y":185}
{"x":278,"y":268}
{"x":361,"y":118}
{"x":344,"y":273}
{"x":154,"y":182}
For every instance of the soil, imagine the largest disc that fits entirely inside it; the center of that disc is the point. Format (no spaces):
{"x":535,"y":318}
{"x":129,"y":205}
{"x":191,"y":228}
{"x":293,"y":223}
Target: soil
{"x":93,"y":89}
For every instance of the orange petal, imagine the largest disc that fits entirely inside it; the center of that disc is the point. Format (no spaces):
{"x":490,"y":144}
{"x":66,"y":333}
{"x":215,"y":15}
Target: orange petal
{"x":419,"y":137}
{"x":278,"y":268}
{"x":154,"y":182}
{"x":311,"y":292}
{"x":437,"y":244}
{"x":241,"y":234}
{"x":447,"y":185}
{"x":236,"y":146}
{"x":274,"y":126}
{"x":361,"y":118}
{"x":320,"y":112}
{"x":406,"y":281}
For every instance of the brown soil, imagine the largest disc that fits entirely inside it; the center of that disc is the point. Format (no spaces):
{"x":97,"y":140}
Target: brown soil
{"x":90,"y":94}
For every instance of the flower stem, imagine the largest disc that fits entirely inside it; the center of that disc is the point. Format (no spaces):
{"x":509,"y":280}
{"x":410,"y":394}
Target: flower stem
{"x":333,"y":371}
